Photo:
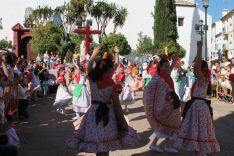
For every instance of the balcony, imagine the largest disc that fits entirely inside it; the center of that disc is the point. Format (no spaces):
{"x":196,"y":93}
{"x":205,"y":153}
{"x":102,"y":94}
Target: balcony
{"x":225,"y":35}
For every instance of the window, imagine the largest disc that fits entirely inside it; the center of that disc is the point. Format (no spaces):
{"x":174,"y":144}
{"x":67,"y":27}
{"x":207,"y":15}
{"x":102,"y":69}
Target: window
{"x":180,"y":21}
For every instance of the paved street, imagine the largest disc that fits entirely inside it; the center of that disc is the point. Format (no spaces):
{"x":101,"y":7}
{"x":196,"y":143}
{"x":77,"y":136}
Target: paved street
{"x":44,"y":134}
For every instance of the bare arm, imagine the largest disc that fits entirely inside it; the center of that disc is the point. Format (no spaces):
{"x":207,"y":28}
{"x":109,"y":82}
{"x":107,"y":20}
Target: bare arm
{"x":197,"y":65}
{"x":175,"y":58}
{"x":166,"y":51}
{"x":116,"y":58}
{"x":92,"y":58}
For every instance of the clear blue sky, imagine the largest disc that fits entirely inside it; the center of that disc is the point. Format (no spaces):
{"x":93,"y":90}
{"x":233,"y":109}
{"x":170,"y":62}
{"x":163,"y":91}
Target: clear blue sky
{"x":216,"y":7}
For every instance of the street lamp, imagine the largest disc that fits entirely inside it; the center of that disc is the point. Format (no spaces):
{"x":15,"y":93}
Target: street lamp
{"x":200,"y":29}
{"x":206,"y":5}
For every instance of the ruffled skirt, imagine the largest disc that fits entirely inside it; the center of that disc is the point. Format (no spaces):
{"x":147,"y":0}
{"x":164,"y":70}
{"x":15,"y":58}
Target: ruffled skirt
{"x":82,"y":103}
{"x":93,"y":138}
{"x":197,"y":130}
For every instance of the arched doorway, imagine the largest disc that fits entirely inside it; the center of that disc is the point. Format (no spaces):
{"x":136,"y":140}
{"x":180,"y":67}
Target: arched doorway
{"x":21,"y":42}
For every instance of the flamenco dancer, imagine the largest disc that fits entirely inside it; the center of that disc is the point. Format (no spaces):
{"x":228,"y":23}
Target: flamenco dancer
{"x":162,"y":106}
{"x":103,"y":128}
{"x":196,"y":133}
{"x":63,"y":95}
{"x":81,"y":98}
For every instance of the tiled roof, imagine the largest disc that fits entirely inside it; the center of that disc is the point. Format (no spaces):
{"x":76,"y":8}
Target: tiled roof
{"x":185,"y":2}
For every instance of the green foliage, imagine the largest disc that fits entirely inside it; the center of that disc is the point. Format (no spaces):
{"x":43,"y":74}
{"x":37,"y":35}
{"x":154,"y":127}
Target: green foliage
{"x":68,"y":48}
{"x":144,"y":45}
{"x":165,"y":20}
{"x":120,"y":18}
{"x":5,"y":45}
{"x":39,"y":16}
{"x":172,"y":49}
{"x":109,"y":42}
{"x":46,"y":38}
{"x":104,"y":12}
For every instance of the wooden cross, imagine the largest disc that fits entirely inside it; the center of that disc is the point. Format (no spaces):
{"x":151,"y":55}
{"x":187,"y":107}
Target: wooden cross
{"x":87,"y":33}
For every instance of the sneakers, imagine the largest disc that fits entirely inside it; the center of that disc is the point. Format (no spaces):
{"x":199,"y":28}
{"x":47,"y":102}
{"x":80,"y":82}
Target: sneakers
{"x":155,"y":148}
{"x":170,"y":149}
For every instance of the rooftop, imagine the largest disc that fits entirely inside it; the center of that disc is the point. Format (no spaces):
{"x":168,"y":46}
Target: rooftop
{"x":189,"y":3}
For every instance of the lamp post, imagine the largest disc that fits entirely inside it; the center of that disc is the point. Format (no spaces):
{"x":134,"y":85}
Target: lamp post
{"x":200,"y":29}
{"x":206,"y":5}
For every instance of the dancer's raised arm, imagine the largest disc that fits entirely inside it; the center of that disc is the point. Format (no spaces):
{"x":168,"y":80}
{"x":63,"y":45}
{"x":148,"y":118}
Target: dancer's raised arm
{"x":116,"y":57}
{"x":92,"y":58}
{"x":198,"y":59}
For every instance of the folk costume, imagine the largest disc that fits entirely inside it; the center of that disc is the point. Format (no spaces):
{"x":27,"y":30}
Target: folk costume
{"x":63,"y":95}
{"x":196,"y":132}
{"x":81,"y":99}
{"x":100,"y":129}
{"x":138,"y":82}
{"x":127,"y":96}
{"x":161,"y":112}
{"x":162,"y":117}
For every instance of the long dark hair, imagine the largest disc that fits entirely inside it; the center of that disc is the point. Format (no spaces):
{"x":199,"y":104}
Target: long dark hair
{"x":161,"y":63}
{"x":102,"y":67}
{"x":204,"y":65}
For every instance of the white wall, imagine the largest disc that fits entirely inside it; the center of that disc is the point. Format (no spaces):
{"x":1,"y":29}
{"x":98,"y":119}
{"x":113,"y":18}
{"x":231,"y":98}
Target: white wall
{"x":187,"y":34}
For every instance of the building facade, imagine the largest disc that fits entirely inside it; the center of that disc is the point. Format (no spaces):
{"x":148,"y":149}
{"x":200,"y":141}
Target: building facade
{"x":223,"y":36}
{"x":216,"y":41}
{"x":188,"y":14}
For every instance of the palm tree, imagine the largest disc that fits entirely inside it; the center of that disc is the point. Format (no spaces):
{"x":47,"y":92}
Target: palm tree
{"x":103,"y":12}
{"x":120,"y":18}
{"x":108,"y":14}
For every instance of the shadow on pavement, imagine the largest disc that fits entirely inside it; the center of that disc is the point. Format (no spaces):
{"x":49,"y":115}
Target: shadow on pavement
{"x":224,"y":128}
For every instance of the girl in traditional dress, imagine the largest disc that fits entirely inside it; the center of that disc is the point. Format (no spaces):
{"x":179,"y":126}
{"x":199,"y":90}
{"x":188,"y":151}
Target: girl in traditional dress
{"x":127,"y":96}
{"x":138,"y":82}
{"x":63,"y":95}
{"x":81,"y":98}
{"x":196,"y":132}
{"x":152,"y":69}
{"x":162,"y":111}
{"x":103,"y":127}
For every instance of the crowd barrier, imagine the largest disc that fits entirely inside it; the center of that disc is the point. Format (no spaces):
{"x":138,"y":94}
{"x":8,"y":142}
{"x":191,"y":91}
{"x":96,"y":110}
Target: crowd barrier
{"x":223,"y":87}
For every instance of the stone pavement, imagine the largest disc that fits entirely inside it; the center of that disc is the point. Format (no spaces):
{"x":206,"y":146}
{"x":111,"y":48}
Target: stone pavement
{"x":45,"y":132}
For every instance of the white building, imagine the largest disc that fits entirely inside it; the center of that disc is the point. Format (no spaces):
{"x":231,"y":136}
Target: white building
{"x":228,"y":33}
{"x":188,"y":15}
{"x":216,"y":41}
{"x":223,"y":36}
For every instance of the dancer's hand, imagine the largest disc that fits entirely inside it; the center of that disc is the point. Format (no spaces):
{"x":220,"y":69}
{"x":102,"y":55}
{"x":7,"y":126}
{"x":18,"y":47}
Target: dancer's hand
{"x":116,"y":49}
{"x":95,"y":52}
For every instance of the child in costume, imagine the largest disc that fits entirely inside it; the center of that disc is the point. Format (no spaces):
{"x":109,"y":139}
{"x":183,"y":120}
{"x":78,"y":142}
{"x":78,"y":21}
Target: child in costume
{"x":196,"y":133}
{"x":103,"y":128}
{"x":63,"y":95}
{"x":162,"y":106}
{"x":151,"y":70}
{"x":126,"y":96}
{"x":81,"y":99}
